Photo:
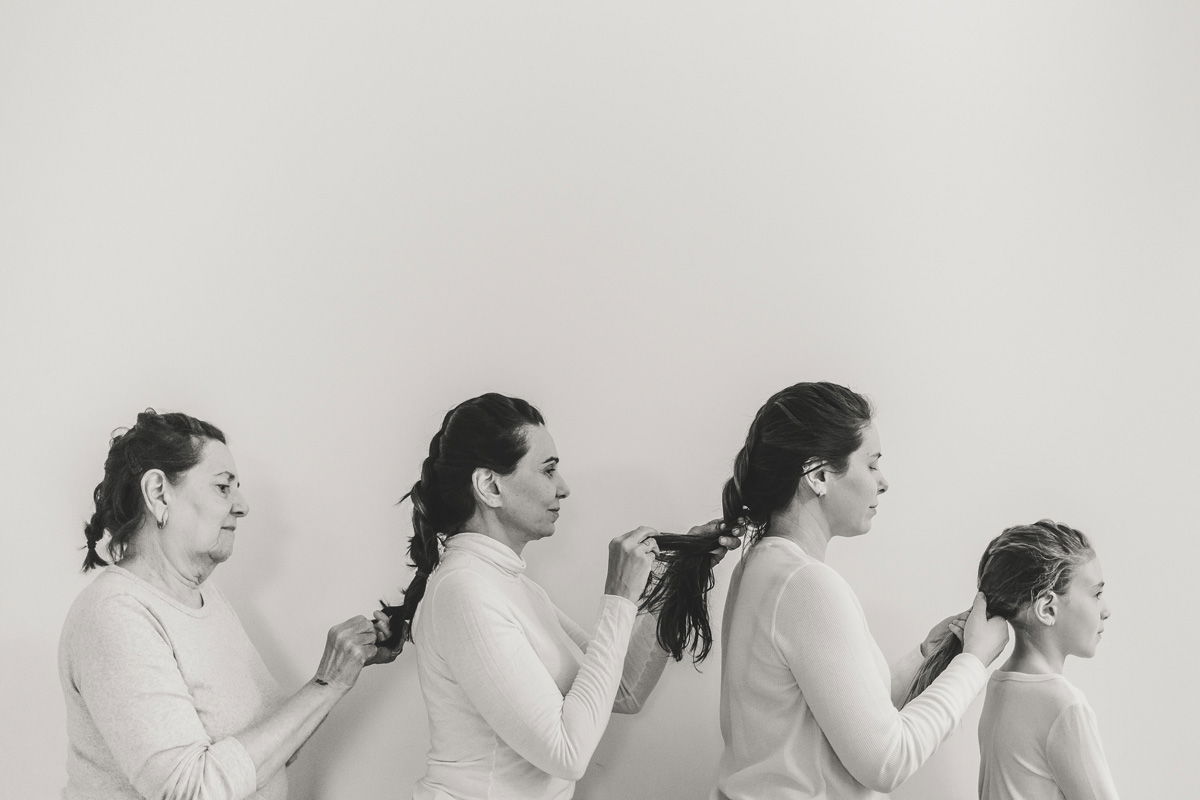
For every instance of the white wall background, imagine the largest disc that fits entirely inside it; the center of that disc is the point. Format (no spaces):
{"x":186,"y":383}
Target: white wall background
{"x":321,"y":225}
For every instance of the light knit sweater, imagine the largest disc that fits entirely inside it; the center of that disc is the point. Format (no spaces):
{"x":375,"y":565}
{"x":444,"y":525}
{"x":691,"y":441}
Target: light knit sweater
{"x":155,"y":691}
{"x":517,"y":694}
{"x":1038,"y":740}
{"x":807,"y":699}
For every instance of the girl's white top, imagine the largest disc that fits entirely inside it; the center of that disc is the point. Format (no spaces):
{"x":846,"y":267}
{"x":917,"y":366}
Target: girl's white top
{"x":807,"y":698}
{"x":517,"y":694}
{"x":1038,"y":740}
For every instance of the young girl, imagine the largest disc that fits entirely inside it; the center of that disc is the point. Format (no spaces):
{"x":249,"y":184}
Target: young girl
{"x":1038,"y":736}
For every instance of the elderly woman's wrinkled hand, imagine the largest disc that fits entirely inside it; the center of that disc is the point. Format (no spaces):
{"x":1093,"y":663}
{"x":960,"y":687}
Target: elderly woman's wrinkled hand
{"x":348,"y":647}
{"x":383,"y":632}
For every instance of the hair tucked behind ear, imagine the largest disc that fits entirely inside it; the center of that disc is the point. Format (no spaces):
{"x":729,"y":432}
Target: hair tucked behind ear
{"x":802,"y":425}
{"x":486,"y":431}
{"x":1019,"y":566}
{"x":173,"y":443}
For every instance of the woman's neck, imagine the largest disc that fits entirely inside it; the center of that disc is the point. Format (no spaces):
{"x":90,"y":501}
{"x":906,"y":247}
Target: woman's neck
{"x":804,"y":524}
{"x":489,"y":526}
{"x":152,"y":565}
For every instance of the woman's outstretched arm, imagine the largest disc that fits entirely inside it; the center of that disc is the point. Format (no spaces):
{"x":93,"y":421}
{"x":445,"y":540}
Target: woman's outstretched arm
{"x":819,"y":629}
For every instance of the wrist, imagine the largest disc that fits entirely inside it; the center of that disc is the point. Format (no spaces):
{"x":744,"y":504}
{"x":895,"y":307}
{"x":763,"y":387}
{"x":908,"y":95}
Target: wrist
{"x":328,"y":685}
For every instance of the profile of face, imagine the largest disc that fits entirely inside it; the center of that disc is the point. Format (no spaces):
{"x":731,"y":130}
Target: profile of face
{"x":1080,"y":612}
{"x":531,"y":495}
{"x":204,"y":506}
{"x":851,"y":497}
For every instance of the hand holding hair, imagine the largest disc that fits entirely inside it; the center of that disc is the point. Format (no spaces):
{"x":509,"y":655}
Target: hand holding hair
{"x":348,"y":646}
{"x":384,"y":654}
{"x":950,"y":626}
{"x":982,"y":637}
{"x":630,"y":558}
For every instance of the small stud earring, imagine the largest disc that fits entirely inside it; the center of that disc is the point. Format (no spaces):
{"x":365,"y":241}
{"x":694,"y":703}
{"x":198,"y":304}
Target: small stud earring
{"x":162,"y":523}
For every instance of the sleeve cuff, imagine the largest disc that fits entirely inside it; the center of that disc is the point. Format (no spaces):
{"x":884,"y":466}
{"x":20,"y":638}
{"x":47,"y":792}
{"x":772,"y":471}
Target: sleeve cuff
{"x":970,"y":664}
{"x":620,"y":604}
{"x":237,"y":765}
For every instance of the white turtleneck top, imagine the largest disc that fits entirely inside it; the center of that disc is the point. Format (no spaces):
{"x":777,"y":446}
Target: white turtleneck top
{"x":517,"y":694}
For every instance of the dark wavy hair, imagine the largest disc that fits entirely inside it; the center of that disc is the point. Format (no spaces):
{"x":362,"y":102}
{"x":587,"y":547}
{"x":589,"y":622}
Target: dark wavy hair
{"x":486,"y":431}
{"x":1018,"y":566}
{"x":173,"y":443}
{"x":801,"y":428}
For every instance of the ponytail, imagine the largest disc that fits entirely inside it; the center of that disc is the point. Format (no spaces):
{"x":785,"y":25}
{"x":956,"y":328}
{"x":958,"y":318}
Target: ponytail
{"x":679,"y":594}
{"x":486,"y":431}
{"x":933,"y":665}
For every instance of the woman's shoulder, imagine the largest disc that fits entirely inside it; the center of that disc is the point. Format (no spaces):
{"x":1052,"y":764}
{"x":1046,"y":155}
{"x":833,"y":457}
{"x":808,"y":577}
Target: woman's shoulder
{"x":782,"y":562}
{"x":110,"y":607}
{"x":117,"y":594}
{"x":106,"y":590}
{"x":465,"y":581}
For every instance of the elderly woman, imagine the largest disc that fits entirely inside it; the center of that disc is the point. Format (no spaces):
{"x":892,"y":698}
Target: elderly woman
{"x":166,"y":696}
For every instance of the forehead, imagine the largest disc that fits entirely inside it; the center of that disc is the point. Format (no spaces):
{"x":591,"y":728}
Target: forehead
{"x":215,"y":458}
{"x":1088,"y":573}
{"x":540,"y":442}
{"x":870,"y":439}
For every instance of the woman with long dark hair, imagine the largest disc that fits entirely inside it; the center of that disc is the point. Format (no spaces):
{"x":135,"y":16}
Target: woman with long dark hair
{"x":809,"y":705}
{"x":518,"y":694}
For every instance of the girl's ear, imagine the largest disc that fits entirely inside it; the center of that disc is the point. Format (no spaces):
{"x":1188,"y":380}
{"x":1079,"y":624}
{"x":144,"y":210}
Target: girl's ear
{"x":1045,"y":608}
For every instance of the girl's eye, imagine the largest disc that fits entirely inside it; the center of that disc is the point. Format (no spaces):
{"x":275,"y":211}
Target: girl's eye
{"x":224,"y":487}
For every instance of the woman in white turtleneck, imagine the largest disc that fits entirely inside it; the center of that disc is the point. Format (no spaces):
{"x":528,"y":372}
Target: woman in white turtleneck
{"x":518,"y":695}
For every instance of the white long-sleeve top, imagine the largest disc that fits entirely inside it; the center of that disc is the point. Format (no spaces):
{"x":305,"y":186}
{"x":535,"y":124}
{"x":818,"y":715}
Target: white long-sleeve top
{"x":1038,"y":740}
{"x":155,"y":691}
{"x":807,"y":700}
{"x":517,"y":694}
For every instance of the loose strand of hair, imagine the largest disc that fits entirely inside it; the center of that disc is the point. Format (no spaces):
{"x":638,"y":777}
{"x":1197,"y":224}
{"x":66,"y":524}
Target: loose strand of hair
{"x":933,"y":666}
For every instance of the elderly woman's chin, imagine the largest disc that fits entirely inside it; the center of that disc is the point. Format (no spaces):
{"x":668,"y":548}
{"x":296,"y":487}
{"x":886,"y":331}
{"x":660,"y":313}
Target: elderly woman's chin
{"x":223,"y":549}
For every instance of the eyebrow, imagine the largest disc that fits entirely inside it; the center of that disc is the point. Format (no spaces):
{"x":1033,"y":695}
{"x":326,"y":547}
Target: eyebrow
{"x":232,"y":477}
{"x":875,"y":455}
{"x":1099,"y":585}
{"x":551,"y":460}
